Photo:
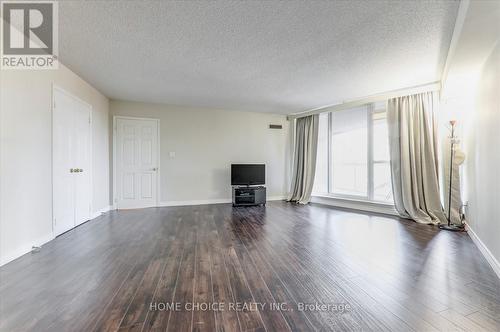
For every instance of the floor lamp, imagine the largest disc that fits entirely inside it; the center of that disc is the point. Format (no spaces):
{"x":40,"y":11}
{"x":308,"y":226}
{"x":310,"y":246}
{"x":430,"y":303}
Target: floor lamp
{"x":449,"y":226}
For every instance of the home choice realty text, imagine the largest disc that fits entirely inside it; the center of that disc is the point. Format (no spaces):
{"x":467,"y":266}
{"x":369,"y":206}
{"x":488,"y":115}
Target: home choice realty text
{"x":248,"y":306}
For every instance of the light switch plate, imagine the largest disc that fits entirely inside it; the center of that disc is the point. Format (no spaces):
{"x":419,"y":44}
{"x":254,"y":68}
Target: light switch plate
{"x":171,"y":154}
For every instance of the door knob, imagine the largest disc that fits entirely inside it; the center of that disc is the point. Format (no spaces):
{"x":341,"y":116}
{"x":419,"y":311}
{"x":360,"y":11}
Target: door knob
{"x":154,"y":169}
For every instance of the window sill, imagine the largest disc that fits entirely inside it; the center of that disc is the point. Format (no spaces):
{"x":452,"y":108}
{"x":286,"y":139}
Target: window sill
{"x":355,"y":204}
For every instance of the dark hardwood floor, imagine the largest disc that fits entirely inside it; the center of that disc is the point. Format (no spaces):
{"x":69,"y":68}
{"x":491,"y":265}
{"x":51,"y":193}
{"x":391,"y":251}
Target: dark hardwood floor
{"x":121,"y":271}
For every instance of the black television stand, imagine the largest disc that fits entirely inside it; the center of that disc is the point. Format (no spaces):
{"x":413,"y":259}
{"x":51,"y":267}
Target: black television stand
{"x":248,"y":196}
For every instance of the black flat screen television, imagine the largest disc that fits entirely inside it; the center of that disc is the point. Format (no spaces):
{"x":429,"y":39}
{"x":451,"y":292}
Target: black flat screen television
{"x":248,"y":174}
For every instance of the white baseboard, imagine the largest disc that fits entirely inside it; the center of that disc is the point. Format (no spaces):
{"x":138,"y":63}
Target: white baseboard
{"x":355,"y":205}
{"x":484,"y":250}
{"x":98,"y":213}
{"x":211,"y":201}
{"x":24,"y":249}
{"x":195,"y":202}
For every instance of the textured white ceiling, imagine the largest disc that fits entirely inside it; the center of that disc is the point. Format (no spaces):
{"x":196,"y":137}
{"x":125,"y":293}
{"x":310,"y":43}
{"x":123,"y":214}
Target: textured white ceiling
{"x":265,"y":56}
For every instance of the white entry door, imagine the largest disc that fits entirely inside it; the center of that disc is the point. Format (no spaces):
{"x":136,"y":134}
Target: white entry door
{"x":136,"y":162}
{"x":71,"y":141}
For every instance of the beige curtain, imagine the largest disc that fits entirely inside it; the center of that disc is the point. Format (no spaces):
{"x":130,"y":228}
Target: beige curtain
{"x":414,"y":163}
{"x":304,"y":159}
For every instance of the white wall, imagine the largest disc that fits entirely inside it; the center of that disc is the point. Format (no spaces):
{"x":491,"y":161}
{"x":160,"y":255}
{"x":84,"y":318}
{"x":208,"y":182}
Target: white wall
{"x":483,"y":153}
{"x":206,"y":142}
{"x":471,"y":95}
{"x":25,"y":155}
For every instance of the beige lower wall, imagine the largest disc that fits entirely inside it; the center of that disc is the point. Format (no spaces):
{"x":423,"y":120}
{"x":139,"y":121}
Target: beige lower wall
{"x":25,"y":155}
{"x":206,"y":142}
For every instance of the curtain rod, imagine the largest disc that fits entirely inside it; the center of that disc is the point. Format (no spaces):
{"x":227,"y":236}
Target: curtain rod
{"x":434,"y":86}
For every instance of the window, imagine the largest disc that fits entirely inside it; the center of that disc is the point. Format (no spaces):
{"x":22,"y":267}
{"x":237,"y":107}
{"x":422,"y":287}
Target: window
{"x":349,"y":152}
{"x":353,"y":154}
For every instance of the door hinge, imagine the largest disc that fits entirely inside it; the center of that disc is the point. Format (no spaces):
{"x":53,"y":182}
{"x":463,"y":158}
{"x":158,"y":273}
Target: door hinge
{"x":55,"y":221}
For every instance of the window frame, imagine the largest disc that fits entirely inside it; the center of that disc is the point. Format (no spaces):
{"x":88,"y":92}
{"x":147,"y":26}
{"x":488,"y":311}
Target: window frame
{"x":369,"y":197}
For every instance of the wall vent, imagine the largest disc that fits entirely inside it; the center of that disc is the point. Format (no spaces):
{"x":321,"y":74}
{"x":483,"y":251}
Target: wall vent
{"x":275,"y":126}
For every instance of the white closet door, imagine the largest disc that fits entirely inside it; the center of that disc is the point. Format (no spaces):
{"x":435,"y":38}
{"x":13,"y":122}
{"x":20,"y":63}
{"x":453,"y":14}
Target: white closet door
{"x":136,"y":162}
{"x":62,"y":168}
{"x":71,"y":161}
{"x":81,"y":157}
